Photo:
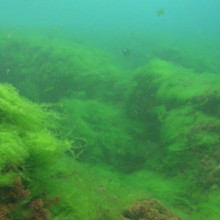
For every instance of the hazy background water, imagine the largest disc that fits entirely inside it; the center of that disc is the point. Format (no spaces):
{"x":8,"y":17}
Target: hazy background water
{"x":129,"y":18}
{"x":116,"y":24}
{"x":186,"y":34}
{"x":118,"y":15}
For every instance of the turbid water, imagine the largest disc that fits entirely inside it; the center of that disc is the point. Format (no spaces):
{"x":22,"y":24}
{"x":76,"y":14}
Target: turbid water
{"x":109,"y":110}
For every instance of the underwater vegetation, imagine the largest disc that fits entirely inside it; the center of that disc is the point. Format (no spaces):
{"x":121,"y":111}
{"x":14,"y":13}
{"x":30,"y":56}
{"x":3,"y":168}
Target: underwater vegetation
{"x":46,"y":71}
{"x":186,"y":107}
{"x":27,"y":147}
{"x":149,"y":209}
{"x":201,"y":57}
{"x":104,"y":144}
{"x":40,"y":179}
{"x":103,"y":134}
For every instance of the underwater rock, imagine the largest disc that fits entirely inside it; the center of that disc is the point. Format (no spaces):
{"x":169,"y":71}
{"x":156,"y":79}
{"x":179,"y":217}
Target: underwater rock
{"x":57,"y":69}
{"x":149,"y":209}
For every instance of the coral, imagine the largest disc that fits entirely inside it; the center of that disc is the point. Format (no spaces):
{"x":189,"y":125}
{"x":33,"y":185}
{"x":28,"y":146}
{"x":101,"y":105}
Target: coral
{"x":149,"y":209}
{"x":39,"y":213}
{"x":12,"y":197}
{"x":19,"y":190}
{"x":4,"y":211}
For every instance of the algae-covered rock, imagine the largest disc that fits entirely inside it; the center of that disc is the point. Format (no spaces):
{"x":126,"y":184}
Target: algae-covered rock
{"x":180,"y":110}
{"x":149,"y":209}
{"x":175,"y":85}
{"x":163,"y":93}
{"x":48,"y":70}
{"x":186,"y":128}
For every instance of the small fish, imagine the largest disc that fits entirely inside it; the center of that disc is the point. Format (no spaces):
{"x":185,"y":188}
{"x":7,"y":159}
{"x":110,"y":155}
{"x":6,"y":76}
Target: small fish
{"x":125,"y":52}
{"x":160,"y":12}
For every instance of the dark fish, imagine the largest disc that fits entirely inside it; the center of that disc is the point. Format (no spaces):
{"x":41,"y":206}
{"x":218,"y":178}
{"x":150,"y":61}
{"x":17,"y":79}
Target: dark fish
{"x":125,"y":52}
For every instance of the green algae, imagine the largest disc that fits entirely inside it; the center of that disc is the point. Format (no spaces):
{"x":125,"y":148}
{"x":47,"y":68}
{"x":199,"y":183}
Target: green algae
{"x":102,"y":133}
{"x":56,"y":70}
{"x":30,"y":151}
{"x":19,"y":120}
{"x":153,"y":136}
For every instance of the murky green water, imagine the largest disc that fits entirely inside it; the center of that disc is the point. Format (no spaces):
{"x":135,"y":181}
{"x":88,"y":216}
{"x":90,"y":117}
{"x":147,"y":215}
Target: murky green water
{"x":109,"y":110}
